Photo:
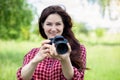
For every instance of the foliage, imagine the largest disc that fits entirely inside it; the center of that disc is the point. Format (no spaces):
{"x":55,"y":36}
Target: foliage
{"x":80,"y":28}
{"x":14,"y":16}
{"x":106,"y":5}
{"x":103,"y":4}
{"x":99,"y":32}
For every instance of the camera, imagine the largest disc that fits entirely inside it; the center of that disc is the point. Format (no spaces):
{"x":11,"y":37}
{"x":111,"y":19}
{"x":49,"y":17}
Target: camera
{"x":60,"y":44}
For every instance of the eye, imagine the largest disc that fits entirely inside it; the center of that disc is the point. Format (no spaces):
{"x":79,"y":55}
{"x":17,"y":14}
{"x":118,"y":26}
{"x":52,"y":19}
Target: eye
{"x":58,"y":23}
{"x":49,"y":24}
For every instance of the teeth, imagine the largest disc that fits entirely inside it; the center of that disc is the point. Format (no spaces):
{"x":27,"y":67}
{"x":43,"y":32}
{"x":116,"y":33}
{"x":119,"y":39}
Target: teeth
{"x":52,"y":33}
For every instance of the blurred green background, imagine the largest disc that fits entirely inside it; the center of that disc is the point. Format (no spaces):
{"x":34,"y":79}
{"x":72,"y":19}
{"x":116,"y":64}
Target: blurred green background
{"x":19,"y":34}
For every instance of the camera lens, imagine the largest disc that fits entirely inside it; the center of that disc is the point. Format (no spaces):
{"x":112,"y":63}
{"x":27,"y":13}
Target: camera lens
{"x":60,"y":44}
{"x":61,"y":47}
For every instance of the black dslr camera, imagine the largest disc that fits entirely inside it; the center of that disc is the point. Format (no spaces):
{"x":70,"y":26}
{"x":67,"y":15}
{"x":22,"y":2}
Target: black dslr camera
{"x":60,"y":44}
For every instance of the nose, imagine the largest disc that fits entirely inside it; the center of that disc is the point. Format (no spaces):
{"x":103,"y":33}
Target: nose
{"x":53,"y":28}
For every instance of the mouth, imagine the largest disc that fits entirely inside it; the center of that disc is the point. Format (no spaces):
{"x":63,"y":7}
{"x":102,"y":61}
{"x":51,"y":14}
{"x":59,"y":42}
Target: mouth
{"x":53,"y":35}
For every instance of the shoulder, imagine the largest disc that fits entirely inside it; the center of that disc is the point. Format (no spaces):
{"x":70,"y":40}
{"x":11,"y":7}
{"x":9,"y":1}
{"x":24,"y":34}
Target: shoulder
{"x":83,"y":50}
{"x":83,"y":55}
{"x":82,"y":47}
{"x":30,"y":55}
{"x":32,"y":52}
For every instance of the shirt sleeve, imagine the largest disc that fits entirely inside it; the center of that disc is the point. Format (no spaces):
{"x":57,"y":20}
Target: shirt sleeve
{"x":27,"y":59}
{"x":79,"y":75}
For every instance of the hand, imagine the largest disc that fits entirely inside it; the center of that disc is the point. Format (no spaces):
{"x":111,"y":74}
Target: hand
{"x":43,"y":52}
{"x":61,"y":57}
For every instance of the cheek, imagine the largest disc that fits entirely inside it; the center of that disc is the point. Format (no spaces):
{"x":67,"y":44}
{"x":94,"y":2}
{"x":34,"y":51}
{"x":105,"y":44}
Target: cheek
{"x":62,"y":29}
{"x":45,"y":29}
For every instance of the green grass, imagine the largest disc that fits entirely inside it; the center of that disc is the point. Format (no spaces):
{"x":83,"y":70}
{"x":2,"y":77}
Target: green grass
{"x":103,"y":60}
{"x":11,"y":56}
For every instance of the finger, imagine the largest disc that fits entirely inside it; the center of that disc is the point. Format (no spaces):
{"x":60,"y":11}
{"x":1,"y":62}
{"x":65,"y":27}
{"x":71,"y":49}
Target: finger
{"x":45,"y":46}
{"x":47,"y":51}
{"x":69,"y":47}
{"x":45,"y":42}
{"x":54,"y":50}
{"x":51,"y":50}
{"x":48,"y":55}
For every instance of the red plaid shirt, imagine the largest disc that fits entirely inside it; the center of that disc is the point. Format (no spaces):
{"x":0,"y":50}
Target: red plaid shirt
{"x":50,"y":69}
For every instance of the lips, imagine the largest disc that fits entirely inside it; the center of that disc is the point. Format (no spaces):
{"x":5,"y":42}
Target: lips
{"x":53,"y":33}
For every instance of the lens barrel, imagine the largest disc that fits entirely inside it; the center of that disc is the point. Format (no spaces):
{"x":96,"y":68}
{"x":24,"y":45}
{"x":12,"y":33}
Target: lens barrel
{"x":60,"y":44}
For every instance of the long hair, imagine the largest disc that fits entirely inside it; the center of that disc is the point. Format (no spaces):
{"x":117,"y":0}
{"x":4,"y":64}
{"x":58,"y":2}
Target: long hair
{"x":75,"y":55}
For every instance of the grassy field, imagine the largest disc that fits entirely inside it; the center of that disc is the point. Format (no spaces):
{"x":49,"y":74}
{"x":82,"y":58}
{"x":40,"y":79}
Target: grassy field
{"x":103,"y":60}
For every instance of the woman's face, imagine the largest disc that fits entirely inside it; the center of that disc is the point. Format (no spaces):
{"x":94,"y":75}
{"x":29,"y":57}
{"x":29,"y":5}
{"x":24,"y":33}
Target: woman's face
{"x":53,"y":25}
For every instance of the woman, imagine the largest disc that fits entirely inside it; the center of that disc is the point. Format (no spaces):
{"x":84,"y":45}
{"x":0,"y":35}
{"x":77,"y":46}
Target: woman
{"x":45,"y":63}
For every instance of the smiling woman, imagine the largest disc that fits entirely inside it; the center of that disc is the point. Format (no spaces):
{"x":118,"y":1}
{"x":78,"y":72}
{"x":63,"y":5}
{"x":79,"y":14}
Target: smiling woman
{"x":45,"y":63}
{"x":53,"y":25}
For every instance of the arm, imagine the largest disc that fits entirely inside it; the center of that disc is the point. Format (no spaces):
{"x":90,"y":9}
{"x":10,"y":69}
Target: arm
{"x":78,"y":75}
{"x":67,"y":69}
{"x":28,"y":70}
{"x":31,"y":60}
{"x":26,"y":63}
{"x":66,"y":65}
{"x":29,"y":65}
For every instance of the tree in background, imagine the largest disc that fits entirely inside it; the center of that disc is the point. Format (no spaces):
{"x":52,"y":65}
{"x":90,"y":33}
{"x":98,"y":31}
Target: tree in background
{"x":112,"y":6}
{"x":80,"y":28}
{"x":99,"y":32}
{"x":15,"y":19}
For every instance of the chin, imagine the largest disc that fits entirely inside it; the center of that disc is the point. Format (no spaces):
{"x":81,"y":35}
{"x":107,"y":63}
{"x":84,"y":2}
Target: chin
{"x":51,"y":37}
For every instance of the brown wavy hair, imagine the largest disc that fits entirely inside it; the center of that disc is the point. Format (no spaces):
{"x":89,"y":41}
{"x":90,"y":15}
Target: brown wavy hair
{"x":75,"y":55}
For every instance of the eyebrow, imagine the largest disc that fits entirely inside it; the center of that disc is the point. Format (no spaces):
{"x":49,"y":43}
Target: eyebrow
{"x":50,"y":22}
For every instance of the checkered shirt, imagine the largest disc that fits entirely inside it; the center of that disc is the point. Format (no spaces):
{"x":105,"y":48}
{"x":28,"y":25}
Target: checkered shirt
{"x":50,"y":69}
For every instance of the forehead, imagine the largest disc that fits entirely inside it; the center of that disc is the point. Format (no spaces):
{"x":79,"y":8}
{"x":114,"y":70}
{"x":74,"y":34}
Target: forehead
{"x":54,"y":17}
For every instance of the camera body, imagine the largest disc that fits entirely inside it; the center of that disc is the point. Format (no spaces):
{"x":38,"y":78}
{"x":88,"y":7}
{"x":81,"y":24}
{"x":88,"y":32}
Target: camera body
{"x":60,"y":44}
